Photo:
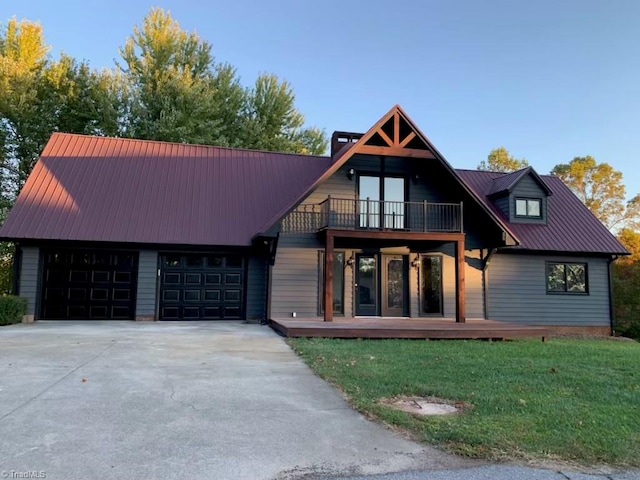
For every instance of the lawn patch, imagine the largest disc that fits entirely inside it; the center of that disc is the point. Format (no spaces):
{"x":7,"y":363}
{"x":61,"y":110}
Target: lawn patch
{"x":575,"y":400}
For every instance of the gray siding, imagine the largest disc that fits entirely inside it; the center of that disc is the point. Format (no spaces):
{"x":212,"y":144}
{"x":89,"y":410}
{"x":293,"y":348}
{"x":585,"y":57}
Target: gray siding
{"x":517,"y":292}
{"x":527,"y":187}
{"x":256,"y":284}
{"x":29,"y":270}
{"x":147,"y":284}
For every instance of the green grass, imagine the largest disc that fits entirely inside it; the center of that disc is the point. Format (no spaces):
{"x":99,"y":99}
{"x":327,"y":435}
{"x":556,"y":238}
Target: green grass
{"x":573,"y":400}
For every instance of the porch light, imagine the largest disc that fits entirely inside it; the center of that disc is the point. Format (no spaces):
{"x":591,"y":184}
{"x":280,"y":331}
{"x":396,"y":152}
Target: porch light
{"x":351,"y":261}
{"x":415,"y":263}
{"x":350,"y":173}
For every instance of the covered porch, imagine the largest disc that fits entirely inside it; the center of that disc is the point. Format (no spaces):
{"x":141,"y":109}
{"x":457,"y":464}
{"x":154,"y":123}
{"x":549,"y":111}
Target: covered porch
{"x":391,"y":327}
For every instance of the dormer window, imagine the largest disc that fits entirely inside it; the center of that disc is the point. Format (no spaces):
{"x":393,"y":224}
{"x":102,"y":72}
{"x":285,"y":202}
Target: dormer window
{"x":528,"y":207}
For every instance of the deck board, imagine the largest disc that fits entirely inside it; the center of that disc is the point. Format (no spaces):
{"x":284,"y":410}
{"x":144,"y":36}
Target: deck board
{"x":424,"y":328}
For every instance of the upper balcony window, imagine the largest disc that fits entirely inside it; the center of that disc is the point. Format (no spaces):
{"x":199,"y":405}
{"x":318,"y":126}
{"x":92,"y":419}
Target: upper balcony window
{"x":528,"y":207}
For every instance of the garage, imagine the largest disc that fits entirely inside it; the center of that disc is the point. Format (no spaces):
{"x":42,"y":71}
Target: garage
{"x":201,"y":287}
{"x":88,"y":285}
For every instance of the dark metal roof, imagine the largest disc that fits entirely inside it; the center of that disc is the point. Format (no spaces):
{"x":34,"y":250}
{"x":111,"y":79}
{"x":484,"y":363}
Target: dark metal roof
{"x":570,"y":227}
{"x":506,"y":182}
{"x":121,"y":190}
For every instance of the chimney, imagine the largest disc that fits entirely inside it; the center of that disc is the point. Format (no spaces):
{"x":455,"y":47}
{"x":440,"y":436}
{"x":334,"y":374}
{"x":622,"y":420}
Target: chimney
{"x":340,"y":139}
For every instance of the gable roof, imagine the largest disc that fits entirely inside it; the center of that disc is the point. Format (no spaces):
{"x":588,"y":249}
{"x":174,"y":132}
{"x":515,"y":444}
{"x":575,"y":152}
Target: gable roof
{"x":122,"y":190}
{"x":507,"y":182}
{"x":570,"y":227}
{"x":412,"y":143}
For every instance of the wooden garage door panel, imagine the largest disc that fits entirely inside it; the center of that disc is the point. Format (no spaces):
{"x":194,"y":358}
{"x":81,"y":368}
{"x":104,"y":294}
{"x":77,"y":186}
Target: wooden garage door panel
{"x":88,"y":285}
{"x":201,"y":287}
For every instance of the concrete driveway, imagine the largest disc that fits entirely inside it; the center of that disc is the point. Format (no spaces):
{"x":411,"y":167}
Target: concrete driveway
{"x":214,"y":400}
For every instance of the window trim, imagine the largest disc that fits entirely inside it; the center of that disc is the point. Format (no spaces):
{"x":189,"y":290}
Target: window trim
{"x":321,"y":265}
{"x":566,"y":290}
{"x":527,"y":200}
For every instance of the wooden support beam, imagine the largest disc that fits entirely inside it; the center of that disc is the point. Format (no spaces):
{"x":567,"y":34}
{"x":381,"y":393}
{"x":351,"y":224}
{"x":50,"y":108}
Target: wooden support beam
{"x":385,"y":137}
{"x":328,"y":278}
{"x":460,"y":284}
{"x":396,"y":129}
{"x":393,"y":151}
{"x":407,"y":139}
{"x":397,"y":235}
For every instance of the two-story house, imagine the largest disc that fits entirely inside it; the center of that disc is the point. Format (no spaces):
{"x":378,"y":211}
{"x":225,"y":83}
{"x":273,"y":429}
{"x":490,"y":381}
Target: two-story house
{"x":383,"y":228}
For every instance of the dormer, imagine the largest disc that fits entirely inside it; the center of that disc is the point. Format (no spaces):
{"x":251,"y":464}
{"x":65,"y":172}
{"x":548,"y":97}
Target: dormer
{"x":521,"y":196}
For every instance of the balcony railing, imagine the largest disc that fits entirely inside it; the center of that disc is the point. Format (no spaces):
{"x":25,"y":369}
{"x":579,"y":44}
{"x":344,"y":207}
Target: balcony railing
{"x":367,"y":214}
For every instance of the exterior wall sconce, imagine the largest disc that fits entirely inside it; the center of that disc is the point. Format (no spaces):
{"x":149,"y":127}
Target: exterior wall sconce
{"x":350,"y":173}
{"x":415,"y":178}
{"x":351,"y":261}
{"x":415,"y":263}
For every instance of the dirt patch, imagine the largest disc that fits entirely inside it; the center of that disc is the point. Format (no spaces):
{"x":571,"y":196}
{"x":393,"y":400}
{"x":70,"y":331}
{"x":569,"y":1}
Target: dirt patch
{"x":424,"y":405}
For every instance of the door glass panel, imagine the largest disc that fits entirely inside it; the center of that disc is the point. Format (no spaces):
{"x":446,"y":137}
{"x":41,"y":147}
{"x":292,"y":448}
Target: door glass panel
{"x":393,"y":202}
{"x":369,"y":202}
{"x":431,"y":272}
{"x":367,"y":285}
{"x":395,"y":285}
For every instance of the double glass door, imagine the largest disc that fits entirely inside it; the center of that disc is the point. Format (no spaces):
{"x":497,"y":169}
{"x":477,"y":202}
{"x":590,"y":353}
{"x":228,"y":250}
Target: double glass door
{"x":382,"y":285}
{"x":381,"y":202}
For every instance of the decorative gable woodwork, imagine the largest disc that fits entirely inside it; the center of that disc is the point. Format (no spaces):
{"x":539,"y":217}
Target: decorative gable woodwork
{"x":395,"y":136}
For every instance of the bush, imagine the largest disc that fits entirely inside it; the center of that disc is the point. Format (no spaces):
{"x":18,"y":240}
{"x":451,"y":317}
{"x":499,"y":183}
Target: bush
{"x":12,"y":309}
{"x":626,"y":291}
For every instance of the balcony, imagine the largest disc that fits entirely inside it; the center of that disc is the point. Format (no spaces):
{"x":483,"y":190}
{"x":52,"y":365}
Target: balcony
{"x":367,"y":214}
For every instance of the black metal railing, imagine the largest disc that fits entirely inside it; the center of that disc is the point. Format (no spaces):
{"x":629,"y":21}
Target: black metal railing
{"x":367,"y":214}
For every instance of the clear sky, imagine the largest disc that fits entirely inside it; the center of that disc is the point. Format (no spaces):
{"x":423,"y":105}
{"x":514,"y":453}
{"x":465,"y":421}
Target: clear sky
{"x":548,"y":79}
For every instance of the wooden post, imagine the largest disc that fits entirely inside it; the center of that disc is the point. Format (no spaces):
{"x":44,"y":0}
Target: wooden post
{"x":460,"y":294}
{"x":328,"y":278}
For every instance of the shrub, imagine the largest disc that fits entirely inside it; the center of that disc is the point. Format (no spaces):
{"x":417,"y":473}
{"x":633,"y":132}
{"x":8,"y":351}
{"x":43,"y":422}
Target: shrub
{"x":12,"y":309}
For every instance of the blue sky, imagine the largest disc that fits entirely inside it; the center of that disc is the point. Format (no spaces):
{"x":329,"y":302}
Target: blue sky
{"x":549,"y":80}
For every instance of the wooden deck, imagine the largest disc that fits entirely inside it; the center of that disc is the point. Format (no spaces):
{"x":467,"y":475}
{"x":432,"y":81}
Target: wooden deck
{"x":382,"y":327}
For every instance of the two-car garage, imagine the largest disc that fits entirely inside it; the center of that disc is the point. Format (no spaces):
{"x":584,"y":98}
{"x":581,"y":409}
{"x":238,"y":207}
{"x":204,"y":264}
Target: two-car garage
{"x":102,"y":285}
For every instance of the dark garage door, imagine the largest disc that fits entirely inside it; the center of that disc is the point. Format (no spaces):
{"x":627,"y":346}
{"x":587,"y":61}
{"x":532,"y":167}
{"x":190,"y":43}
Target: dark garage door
{"x":201,"y":287}
{"x":88,"y":285}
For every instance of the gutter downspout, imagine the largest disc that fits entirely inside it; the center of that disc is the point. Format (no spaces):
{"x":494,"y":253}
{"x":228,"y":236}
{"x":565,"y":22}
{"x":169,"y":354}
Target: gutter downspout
{"x":612,"y":312}
{"x":485,"y":278}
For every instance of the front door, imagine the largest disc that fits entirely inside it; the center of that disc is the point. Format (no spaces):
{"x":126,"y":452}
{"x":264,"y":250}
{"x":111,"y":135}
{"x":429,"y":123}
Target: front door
{"x":393,"y":286}
{"x":381,"y":290}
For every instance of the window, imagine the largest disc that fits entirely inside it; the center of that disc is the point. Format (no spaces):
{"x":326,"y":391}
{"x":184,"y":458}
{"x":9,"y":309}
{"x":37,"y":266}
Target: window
{"x":338,"y":282}
{"x":528,"y":207}
{"x":567,"y":278}
{"x":381,"y":201}
{"x":431,"y":284}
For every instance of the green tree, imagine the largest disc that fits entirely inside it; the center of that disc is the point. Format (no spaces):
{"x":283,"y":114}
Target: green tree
{"x":273,"y":123}
{"x":600,"y":188}
{"x":499,"y":160}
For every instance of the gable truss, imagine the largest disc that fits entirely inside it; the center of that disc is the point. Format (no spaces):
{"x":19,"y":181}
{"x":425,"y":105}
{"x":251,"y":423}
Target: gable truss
{"x":394,"y":136}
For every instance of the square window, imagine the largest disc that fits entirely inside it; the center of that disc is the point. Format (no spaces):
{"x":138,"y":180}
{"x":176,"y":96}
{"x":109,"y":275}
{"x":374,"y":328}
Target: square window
{"x":521,"y":207}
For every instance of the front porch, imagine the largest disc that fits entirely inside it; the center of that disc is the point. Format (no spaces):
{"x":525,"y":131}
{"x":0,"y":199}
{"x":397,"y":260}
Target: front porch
{"x":390,"y":327}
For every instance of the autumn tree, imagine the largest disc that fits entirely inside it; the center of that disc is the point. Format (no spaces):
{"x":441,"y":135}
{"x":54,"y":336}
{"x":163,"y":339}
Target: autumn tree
{"x":600,"y":188}
{"x":499,"y":160}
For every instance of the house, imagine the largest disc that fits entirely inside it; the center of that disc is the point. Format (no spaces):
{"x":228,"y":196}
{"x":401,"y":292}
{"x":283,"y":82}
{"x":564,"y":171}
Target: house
{"x":111,"y":228}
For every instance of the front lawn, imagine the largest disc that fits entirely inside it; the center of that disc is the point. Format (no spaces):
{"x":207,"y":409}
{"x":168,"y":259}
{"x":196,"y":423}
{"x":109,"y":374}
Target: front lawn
{"x":576,"y":400}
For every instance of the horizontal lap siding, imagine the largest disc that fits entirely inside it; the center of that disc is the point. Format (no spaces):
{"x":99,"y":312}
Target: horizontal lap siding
{"x":147,"y":283}
{"x":294,"y":282}
{"x":256,"y":287}
{"x":29,"y":278}
{"x":517,"y":292}
{"x":474,"y":295}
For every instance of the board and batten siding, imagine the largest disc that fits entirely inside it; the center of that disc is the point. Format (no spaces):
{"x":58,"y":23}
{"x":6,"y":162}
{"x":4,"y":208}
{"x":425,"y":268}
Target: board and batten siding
{"x":29,"y":277}
{"x":146,"y":299}
{"x":517,"y":292}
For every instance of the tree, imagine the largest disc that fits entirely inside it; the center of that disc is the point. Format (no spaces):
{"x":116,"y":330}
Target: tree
{"x":273,"y":123}
{"x":600,"y":188}
{"x":180,"y":94}
{"x":499,"y":160}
